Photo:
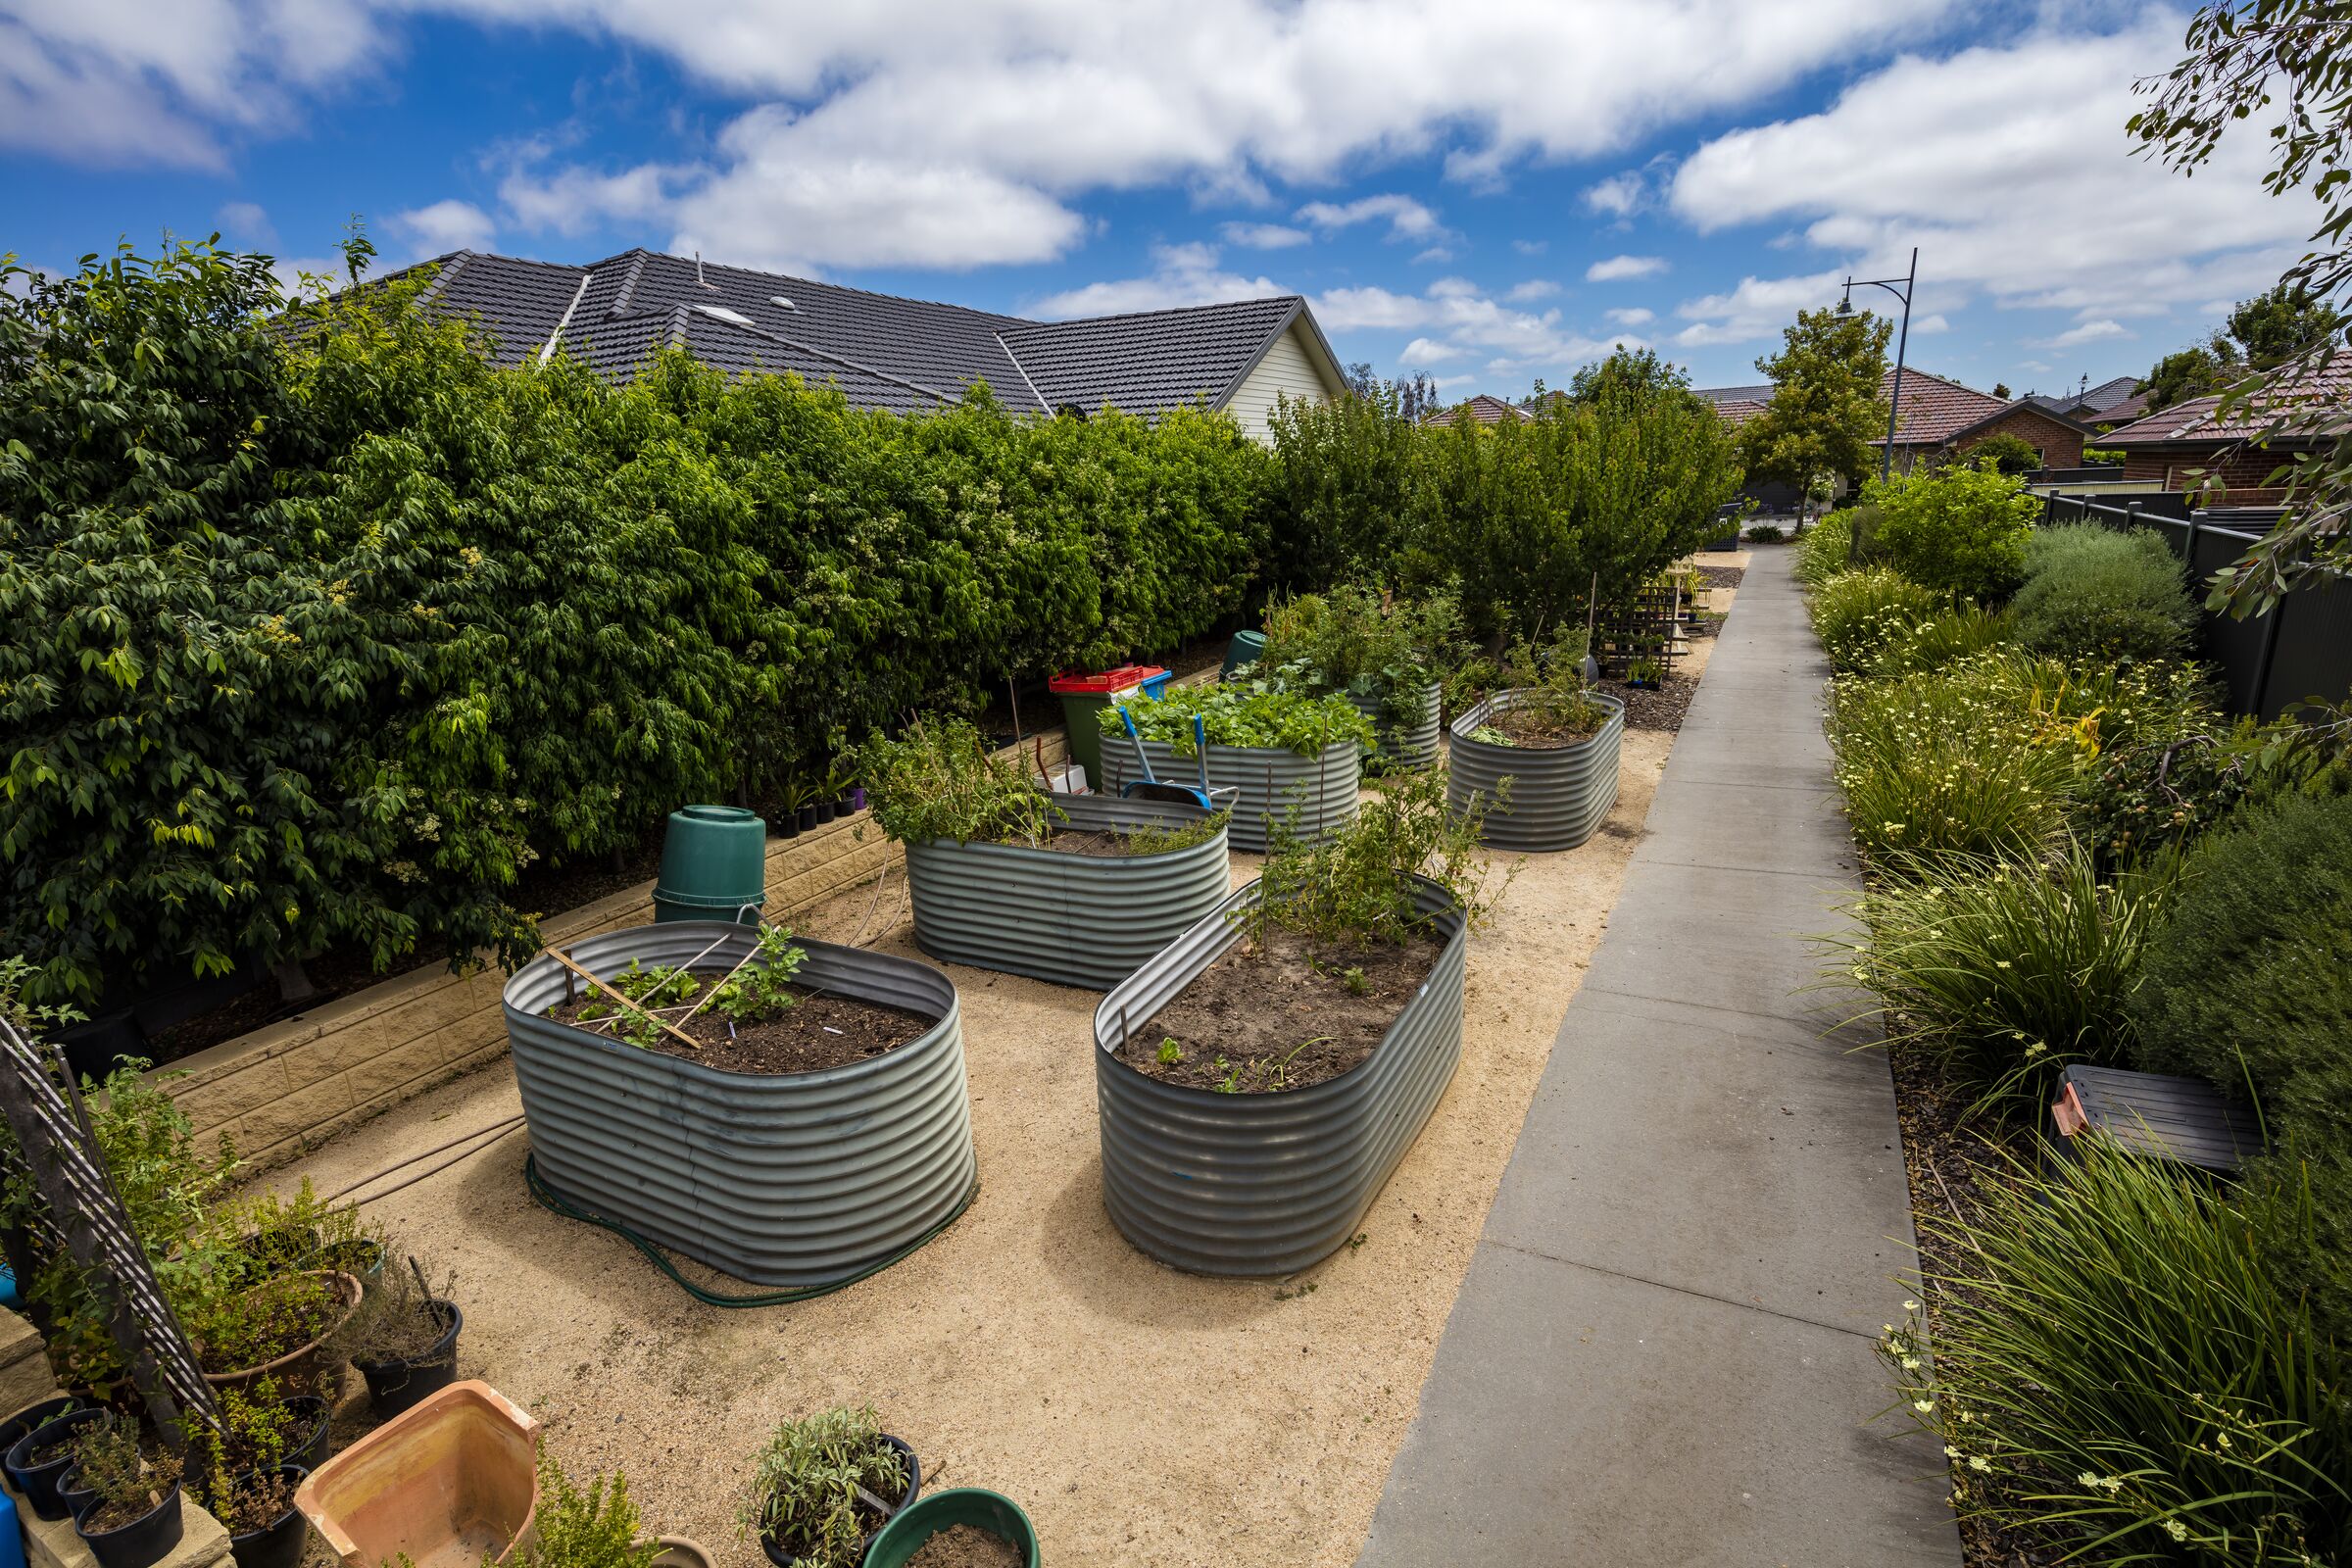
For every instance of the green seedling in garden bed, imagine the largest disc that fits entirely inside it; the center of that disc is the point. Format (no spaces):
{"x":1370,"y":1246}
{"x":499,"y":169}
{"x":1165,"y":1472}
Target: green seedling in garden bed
{"x":1257,"y":712}
{"x":1170,"y":1052}
{"x":1355,"y":640}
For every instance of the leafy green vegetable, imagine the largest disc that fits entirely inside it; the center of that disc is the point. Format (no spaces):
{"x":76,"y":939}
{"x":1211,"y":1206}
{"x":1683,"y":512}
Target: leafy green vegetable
{"x":1254,"y":712}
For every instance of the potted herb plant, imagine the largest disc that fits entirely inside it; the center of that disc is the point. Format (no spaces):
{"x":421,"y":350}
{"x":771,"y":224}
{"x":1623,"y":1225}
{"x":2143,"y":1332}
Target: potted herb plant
{"x":279,"y":1328}
{"x":1259,"y":1079}
{"x":596,"y":1527}
{"x":822,"y":1486}
{"x":1537,"y":755}
{"x":1296,"y":759}
{"x":44,"y":1452}
{"x":1076,"y":889}
{"x":790,"y":1112}
{"x":403,"y":1340}
{"x":246,"y":1478}
{"x":131,"y":1517}
{"x":1385,"y":655}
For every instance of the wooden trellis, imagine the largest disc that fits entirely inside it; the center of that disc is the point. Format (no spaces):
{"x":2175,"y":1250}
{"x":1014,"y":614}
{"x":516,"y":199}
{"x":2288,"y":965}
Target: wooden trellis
{"x":86,"y":1218}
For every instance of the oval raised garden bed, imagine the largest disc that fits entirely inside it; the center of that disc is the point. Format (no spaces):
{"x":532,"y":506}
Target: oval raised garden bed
{"x":1267,"y":1183}
{"x":1558,"y":794}
{"x":1273,"y":784}
{"x":790,"y":1179}
{"x":1411,"y":746}
{"x":1061,"y":915}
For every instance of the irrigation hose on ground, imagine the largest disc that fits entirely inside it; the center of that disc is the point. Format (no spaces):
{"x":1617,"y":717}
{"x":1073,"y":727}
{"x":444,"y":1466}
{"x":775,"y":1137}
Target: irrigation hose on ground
{"x":548,"y":1201}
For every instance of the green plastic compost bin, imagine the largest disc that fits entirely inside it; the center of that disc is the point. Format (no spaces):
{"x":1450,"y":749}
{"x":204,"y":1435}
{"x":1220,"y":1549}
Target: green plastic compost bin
{"x":714,"y":867}
{"x":936,"y":1512}
{"x":1242,"y":651}
{"x":1084,"y":695}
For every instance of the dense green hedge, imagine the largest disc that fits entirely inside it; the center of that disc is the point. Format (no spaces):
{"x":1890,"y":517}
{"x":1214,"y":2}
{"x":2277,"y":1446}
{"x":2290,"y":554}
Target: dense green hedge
{"x":320,"y":629}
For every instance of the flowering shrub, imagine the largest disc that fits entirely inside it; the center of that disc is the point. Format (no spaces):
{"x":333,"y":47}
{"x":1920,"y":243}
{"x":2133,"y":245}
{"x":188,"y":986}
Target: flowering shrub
{"x":1959,"y":530}
{"x":1858,"y":613}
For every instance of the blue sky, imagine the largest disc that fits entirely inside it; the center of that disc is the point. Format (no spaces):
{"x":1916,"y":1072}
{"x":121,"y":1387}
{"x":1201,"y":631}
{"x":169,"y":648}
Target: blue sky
{"x":1493,"y":194}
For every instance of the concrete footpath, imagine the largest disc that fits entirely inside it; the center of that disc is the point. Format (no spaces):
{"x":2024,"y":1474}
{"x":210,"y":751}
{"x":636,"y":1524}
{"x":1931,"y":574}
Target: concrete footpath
{"x":1662,"y":1354}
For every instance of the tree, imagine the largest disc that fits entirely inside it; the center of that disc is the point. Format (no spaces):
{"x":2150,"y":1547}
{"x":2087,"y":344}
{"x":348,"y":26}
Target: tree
{"x":2000,"y":389}
{"x":2273,"y":327}
{"x":2007,"y":451}
{"x":2242,"y":56}
{"x":2195,"y":371}
{"x":1640,"y":371}
{"x":1825,"y":413}
{"x":1416,"y":398}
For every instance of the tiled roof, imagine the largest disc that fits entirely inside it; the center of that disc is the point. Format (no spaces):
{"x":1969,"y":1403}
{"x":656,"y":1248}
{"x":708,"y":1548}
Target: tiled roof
{"x":2325,"y":400}
{"x":1719,"y":395}
{"x":1935,"y":409}
{"x":1736,"y":411}
{"x":880,"y":350}
{"x":1483,"y":408}
{"x":1151,"y":362}
{"x":2131,"y":407}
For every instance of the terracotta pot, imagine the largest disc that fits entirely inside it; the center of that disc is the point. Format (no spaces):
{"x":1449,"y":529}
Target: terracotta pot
{"x":302,"y":1367}
{"x":447,"y":1484}
{"x":677,"y":1551}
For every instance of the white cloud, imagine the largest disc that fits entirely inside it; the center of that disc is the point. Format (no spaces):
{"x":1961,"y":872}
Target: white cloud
{"x":1263,"y":236}
{"x":1181,"y":274}
{"x":1617,"y":196}
{"x":1637,"y":315}
{"x":1758,"y":308}
{"x":1619,"y":267}
{"x":246,"y":224}
{"x":1428,"y":351}
{"x":1435,"y":253}
{"x":1406,"y":218}
{"x":1534,"y":288}
{"x":2088,"y":333}
{"x":1929,"y":325}
{"x":446,"y":225}
{"x":1993,"y":162}
{"x":1454,"y":319}
{"x":1531,"y":247}
{"x":904,"y":133}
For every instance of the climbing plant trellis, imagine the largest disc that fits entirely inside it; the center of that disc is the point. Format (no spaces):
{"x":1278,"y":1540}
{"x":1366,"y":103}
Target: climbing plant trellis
{"x":85,"y":1217}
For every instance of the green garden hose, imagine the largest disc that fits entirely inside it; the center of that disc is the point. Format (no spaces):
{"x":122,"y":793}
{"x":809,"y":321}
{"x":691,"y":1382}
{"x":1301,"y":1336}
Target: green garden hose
{"x":548,"y":1201}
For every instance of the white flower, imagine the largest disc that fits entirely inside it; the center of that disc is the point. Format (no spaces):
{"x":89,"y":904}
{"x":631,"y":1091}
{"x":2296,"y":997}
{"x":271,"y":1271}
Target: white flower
{"x":2176,"y":1529}
{"x":1923,"y":1406}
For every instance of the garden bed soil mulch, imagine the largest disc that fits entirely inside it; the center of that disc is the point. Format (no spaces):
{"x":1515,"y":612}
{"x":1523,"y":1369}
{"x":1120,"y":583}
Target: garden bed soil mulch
{"x":1718,"y":576}
{"x":965,"y":1546}
{"x":1662,"y":709}
{"x":1950,"y":1162}
{"x":1541,"y":731}
{"x":821,"y":1029}
{"x":1289,"y":1011}
{"x":1093,"y":843}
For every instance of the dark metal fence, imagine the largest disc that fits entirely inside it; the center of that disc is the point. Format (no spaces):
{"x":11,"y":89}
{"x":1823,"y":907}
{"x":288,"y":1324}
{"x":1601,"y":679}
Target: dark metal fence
{"x":2303,"y":647}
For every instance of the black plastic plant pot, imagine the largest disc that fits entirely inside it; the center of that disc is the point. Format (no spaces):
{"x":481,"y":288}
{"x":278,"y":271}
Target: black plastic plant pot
{"x":26,"y":1421}
{"x":144,"y":1540}
{"x":842,"y":806}
{"x":38,"y":1482}
{"x":824,"y":811}
{"x":71,"y":1493}
{"x":789,"y":827}
{"x":395,"y":1385}
{"x":311,"y":1418}
{"x":807,"y":817}
{"x":280,"y":1544}
{"x":782,"y":1558}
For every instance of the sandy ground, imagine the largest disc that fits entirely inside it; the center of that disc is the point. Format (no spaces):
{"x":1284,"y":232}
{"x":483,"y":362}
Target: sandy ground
{"x":1143,"y":1416}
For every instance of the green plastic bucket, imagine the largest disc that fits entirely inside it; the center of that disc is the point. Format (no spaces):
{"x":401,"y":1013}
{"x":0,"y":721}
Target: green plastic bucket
{"x":935,"y":1511}
{"x":1242,"y":652}
{"x":714,"y":864}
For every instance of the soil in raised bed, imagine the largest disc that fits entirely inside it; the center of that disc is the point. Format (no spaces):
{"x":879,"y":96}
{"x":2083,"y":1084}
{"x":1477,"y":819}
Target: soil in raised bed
{"x":1103,"y":843}
{"x":1285,"y":1015}
{"x":965,"y":1546}
{"x":821,"y":1029}
{"x":1542,"y":732}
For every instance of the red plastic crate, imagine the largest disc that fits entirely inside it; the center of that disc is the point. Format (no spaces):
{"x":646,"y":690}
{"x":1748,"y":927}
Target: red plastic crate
{"x":1123,"y":678}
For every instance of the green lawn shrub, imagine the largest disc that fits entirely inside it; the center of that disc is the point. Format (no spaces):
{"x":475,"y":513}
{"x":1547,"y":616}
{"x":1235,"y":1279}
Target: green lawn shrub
{"x":2117,"y":1368}
{"x":2103,"y":593}
{"x":1960,"y":530}
{"x":2248,"y":981}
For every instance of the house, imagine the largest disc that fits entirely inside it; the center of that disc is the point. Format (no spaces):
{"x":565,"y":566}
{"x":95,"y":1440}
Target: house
{"x":2179,"y":445}
{"x":885,"y":352}
{"x":2109,"y":403}
{"x":1937,"y":417}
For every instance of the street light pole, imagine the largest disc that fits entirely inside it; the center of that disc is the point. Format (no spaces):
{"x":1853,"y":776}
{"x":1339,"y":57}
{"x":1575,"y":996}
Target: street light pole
{"x":1902,"y":344}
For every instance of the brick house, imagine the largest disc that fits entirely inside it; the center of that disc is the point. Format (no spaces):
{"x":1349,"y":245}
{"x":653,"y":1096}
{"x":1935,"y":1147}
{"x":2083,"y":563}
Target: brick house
{"x":2180,"y":446}
{"x":1483,"y":408}
{"x":1941,"y":417}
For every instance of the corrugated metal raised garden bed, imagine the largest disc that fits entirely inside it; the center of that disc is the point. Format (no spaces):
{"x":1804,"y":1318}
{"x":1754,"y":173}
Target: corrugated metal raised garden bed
{"x":1316,"y":794}
{"x":1558,"y":795}
{"x":1411,"y":746}
{"x":1074,"y":919}
{"x":1257,"y":1184}
{"x":787,"y":1179}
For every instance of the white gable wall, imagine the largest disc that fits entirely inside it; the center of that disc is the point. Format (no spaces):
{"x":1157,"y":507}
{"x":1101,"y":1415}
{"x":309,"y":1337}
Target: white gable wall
{"x":1287,"y":370}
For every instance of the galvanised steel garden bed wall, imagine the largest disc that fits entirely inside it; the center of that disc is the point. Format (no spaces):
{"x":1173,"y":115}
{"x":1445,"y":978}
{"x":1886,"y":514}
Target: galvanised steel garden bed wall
{"x":783,"y":1179}
{"x":1074,"y":919}
{"x":1558,"y":796}
{"x":1267,"y":1183}
{"x":1273,"y":783}
{"x":1411,"y":746}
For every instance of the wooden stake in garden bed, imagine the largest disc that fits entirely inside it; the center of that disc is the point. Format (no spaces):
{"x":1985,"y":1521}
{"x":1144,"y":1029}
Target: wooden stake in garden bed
{"x":683,"y":1036}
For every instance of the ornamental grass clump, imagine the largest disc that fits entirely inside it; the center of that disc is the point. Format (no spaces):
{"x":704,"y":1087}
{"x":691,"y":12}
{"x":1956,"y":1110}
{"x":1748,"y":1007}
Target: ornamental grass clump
{"x":2003,"y":973}
{"x":1258,"y":712}
{"x":2116,"y":1367}
{"x":1943,"y":638}
{"x":1857,"y":614}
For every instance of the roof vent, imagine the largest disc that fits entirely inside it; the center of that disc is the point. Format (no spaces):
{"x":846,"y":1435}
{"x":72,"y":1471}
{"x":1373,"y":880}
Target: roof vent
{"x":725,"y":315}
{"x":778,"y":299}
{"x":698,"y":274}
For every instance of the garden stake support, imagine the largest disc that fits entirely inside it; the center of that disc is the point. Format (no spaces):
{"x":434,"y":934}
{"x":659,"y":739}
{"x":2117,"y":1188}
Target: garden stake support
{"x":564,"y":958}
